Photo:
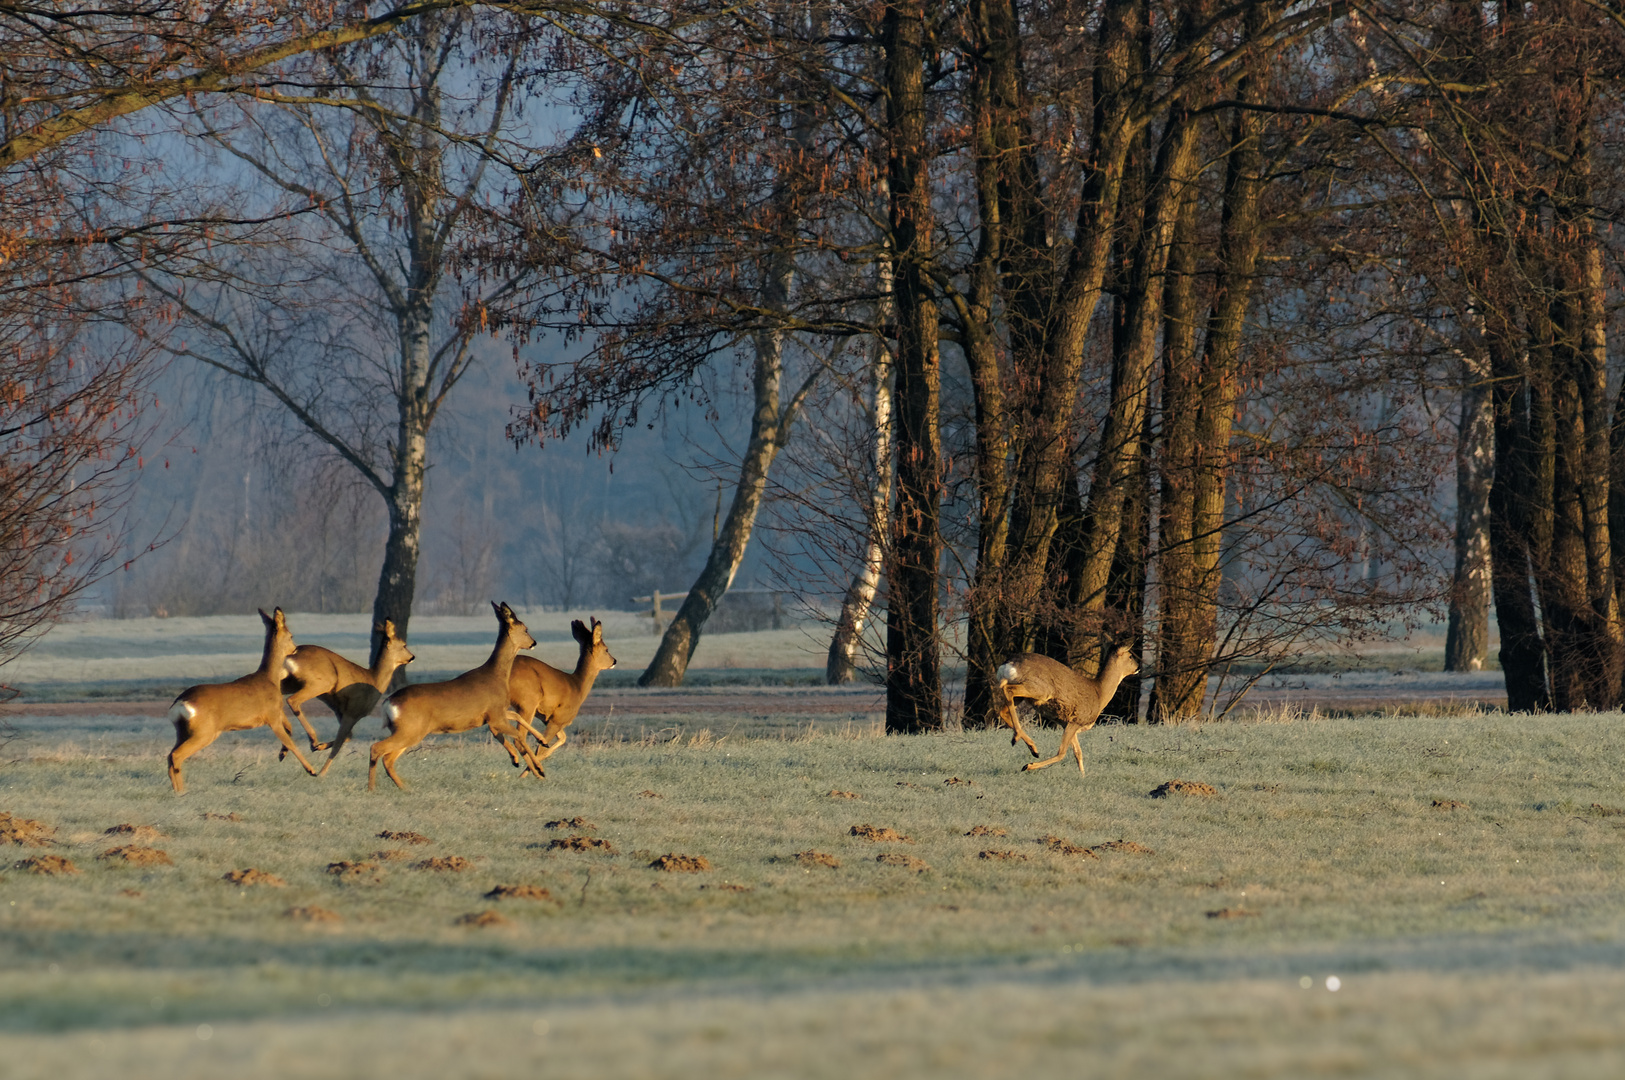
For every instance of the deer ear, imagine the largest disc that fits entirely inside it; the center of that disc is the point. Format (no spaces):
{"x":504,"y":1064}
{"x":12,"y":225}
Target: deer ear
{"x":597,"y":632}
{"x":496,"y":607}
{"x":578,"y":630}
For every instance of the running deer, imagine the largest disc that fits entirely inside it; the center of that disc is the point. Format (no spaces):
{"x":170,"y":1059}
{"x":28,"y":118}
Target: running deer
{"x":541,"y":690}
{"x":476,"y":697}
{"x":350,"y":690}
{"x":1077,"y":698}
{"x":201,"y":714}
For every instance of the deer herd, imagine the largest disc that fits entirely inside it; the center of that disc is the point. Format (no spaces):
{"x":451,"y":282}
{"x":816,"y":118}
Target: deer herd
{"x":506,"y":694}
{"x":509,"y":692}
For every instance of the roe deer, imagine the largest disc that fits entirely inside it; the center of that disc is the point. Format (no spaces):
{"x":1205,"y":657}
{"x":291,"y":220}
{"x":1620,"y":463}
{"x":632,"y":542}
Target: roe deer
{"x":202,"y":713}
{"x":541,"y":690}
{"x":350,"y":690}
{"x":1077,"y":698}
{"x":462,"y":704}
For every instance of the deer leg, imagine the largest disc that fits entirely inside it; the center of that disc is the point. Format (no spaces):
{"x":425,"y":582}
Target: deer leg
{"x":185,"y":746}
{"x":505,"y":729}
{"x":1013,"y":721}
{"x":284,"y":733}
{"x":1072,"y":735}
{"x":387,"y":750}
{"x":346,"y":729}
{"x":547,"y":750}
{"x":294,"y":703}
{"x":1060,"y":755}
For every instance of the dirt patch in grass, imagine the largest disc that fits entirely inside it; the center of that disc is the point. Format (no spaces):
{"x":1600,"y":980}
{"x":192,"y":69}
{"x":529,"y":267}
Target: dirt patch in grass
{"x":907,"y":862}
{"x":1606,"y":811}
{"x":682,"y":864}
{"x":209,"y":815}
{"x":356,"y":873}
{"x":455,"y":864}
{"x":312,"y":914}
{"x":1063,"y":847}
{"x":880,"y":836}
{"x":844,"y":795}
{"x":647,"y":794}
{"x":520,"y":892}
{"x":986,"y":830}
{"x":49,"y":865}
{"x":391,"y":855}
{"x":483,"y":918}
{"x":954,"y":781}
{"x":1184,"y":787}
{"x":24,"y":832}
{"x":1128,"y":847}
{"x":817,"y":858}
{"x":582,"y":843}
{"x":142,"y":833}
{"x":133,"y":894}
{"x":570,"y":823}
{"x":251,"y":876}
{"x":404,"y":837}
{"x":136,"y":855}
{"x":1448,"y":804}
{"x":1001,"y":856}
{"x":1232,"y":913}
{"x":728,"y":886}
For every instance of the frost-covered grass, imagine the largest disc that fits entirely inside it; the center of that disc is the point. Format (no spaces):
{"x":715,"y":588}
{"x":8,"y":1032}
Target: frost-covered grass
{"x":1491,"y":934}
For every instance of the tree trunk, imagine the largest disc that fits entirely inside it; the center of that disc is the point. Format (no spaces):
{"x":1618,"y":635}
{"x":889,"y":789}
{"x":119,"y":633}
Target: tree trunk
{"x":1467,"y":635}
{"x":767,"y":434}
{"x":1512,"y":562}
{"x":841,"y":666}
{"x":397,"y":579}
{"x":1191,"y":525}
{"x":913,"y":661}
{"x":1048,"y":328}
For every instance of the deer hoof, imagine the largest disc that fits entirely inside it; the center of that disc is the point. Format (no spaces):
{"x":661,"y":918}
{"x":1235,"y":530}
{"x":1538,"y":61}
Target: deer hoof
{"x":318,"y":747}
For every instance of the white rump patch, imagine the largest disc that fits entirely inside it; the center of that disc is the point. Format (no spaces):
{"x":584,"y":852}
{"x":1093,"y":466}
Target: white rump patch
{"x":1007,"y":673}
{"x":290,"y":667}
{"x":181,"y":710}
{"x":391,"y":711}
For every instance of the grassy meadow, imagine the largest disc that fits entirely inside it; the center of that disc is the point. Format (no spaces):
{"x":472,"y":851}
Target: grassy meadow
{"x":1459,"y":876}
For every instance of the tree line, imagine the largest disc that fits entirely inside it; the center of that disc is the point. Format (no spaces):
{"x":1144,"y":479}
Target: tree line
{"x":1062,"y":326}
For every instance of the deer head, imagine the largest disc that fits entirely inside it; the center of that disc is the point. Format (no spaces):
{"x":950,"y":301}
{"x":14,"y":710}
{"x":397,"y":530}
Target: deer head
{"x":594,"y":653}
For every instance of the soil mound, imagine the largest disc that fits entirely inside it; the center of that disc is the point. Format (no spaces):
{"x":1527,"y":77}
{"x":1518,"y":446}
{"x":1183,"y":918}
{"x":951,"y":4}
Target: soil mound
{"x":483,"y":918}
{"x":233,"y":816}
{"x":356,"y":872}
{"x":954,"y":781}
{"x":844,"y":795}
{"x":455,"y":864}
{"x":880,"y":836}
{"x":1232,"y":913}
{"x":728,"y":886}
{"x":570,"y":823}
{"x":647,"y":794}
{"x":251,"y":876}
{"x":404,"y":837}
{"x":391,"y":855}
{"x":986,"y":830}
{"x":312,"y":914}
{"x":682,"y":864}
{"x":907,"y":862}
{"x":50,"y":865}
{"x":1183,"y":787}
{"x":134,"y":894}
{"x":1448,"y":804}
{"x":519,"y":892}
{"x":1606,"y":811}
{"x":136,"y":855}
{"x":1128,"y":847}
{"x":25,"y":832}
{"x":817,"y":858}
{"x":582,"y":843}
{"x":1002,"y":856}
{"x":143,"y":833}
{"x":1062,"y":847}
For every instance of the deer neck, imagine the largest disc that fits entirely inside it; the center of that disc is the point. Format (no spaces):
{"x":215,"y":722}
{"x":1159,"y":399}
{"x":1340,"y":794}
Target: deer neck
{"x":584,"y":674}
{"x":382,"y":672}
{"x":273,"y":656}
{"x":1110,"y":679}
{"x":501,"y":662}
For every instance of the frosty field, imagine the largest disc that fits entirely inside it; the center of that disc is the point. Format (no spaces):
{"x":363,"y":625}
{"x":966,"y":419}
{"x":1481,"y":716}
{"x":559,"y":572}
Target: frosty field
{"x":1458,"y":875}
